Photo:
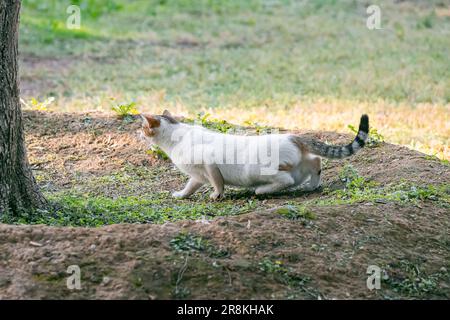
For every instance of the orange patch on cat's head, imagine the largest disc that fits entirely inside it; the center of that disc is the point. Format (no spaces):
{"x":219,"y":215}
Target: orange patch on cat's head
{"x":149,"y":123}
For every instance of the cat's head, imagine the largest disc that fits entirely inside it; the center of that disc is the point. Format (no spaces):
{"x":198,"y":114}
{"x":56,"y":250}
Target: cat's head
{"x":154,"y":125}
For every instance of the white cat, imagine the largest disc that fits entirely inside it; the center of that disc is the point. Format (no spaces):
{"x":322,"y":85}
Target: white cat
{"x":265,"y":163}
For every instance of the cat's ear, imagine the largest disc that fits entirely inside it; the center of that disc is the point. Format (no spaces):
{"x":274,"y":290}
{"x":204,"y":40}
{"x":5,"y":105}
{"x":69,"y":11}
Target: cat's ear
{"x":150,"y":121}
{"x":168,"y":116}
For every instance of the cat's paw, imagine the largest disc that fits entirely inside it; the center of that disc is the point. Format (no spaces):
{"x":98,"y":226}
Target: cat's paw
{"x":216,"y":196}
{"x":310,"y":188}
{"x":178,"y":195}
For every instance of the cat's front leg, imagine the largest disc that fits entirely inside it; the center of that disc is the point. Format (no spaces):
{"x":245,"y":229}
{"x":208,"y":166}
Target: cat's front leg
{"x":314,"y":183}
{"x":216,"y":195}
{"x":279,"y":182}
{"x":192,"y":186}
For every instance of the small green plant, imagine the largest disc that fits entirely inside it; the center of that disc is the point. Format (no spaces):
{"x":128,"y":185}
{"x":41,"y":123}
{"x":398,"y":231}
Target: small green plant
{"x":269,"y":266}
{"x":407,"y":192}
{"x":259,"y":129}
{"x":399,"y":31}
{"x":358,"y":189}
{"x":407,"y":278}
{"x":349,"y":174}
{"x":293,"y":212}
{"x":352,"y":180}
{"x":36,"y":105}
{"x":375,"y":138}
{"x":426,"y":22}
{"x":188,"y":242}
{"x":444,"y":162}
{"x":181,"y":293}
{"x":218,"y":125}
{"x":125,"y":110}
{"x":284,"y":275}
{"x":157,"y":152}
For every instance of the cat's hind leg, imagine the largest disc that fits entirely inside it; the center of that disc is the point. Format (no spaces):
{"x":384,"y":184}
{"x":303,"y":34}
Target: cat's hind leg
{"x":281,"y":180}
{"x":192,"y":186}
{"x":215,"y":177}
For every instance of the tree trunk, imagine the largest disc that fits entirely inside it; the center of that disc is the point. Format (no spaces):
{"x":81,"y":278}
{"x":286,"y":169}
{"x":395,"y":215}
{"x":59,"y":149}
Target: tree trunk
{"x":18,"y":188}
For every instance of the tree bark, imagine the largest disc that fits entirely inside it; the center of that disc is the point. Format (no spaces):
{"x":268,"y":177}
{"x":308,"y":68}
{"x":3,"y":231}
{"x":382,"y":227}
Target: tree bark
{"x":18,"y":188}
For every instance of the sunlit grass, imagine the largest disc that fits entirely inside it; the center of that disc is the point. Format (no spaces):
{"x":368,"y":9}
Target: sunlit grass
{"x":309,"y":65}
{"x":424,"y":127}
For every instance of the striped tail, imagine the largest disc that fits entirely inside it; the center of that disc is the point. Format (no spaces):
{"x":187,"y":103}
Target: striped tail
{"x":338,"y":152}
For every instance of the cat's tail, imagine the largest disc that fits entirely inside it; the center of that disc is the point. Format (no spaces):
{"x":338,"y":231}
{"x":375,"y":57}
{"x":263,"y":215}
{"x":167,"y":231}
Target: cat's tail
{"x":337,"y":152}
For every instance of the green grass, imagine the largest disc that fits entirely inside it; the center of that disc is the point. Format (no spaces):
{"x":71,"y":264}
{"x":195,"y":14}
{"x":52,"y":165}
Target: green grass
{"x":410,"y":279}
{"x":401,"y":193}
{"x":36,"y":105}
{"x":222,"y":126}
{"x":359,"y":189}
{"x":444,"y":162}
{"x":157,"y":152}
{"x":281,"y":63}
{"x":134,"y":195}
{"x":125,"y":110}
{"x":375,"y":138}
{"x":69,"y":209}
{"x":296,"y":212}
{"x":187,"y":242}
{"x":296,"y":283}
{"x":229,"y":53}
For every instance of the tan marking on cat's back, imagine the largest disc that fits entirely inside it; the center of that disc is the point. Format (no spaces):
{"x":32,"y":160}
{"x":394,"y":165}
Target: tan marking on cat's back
{"x":299,"y":144}
{"x":285,"y":167}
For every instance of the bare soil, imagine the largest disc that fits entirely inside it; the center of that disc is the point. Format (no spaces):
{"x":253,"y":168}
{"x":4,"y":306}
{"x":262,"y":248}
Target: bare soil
{"x":325,"y":258}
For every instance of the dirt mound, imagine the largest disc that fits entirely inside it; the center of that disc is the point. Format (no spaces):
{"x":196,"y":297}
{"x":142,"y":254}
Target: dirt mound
{"x":262,"y":254}
{"x":63,"y":143}
{"x":89,"y":142}
{"x":327,"y":259}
